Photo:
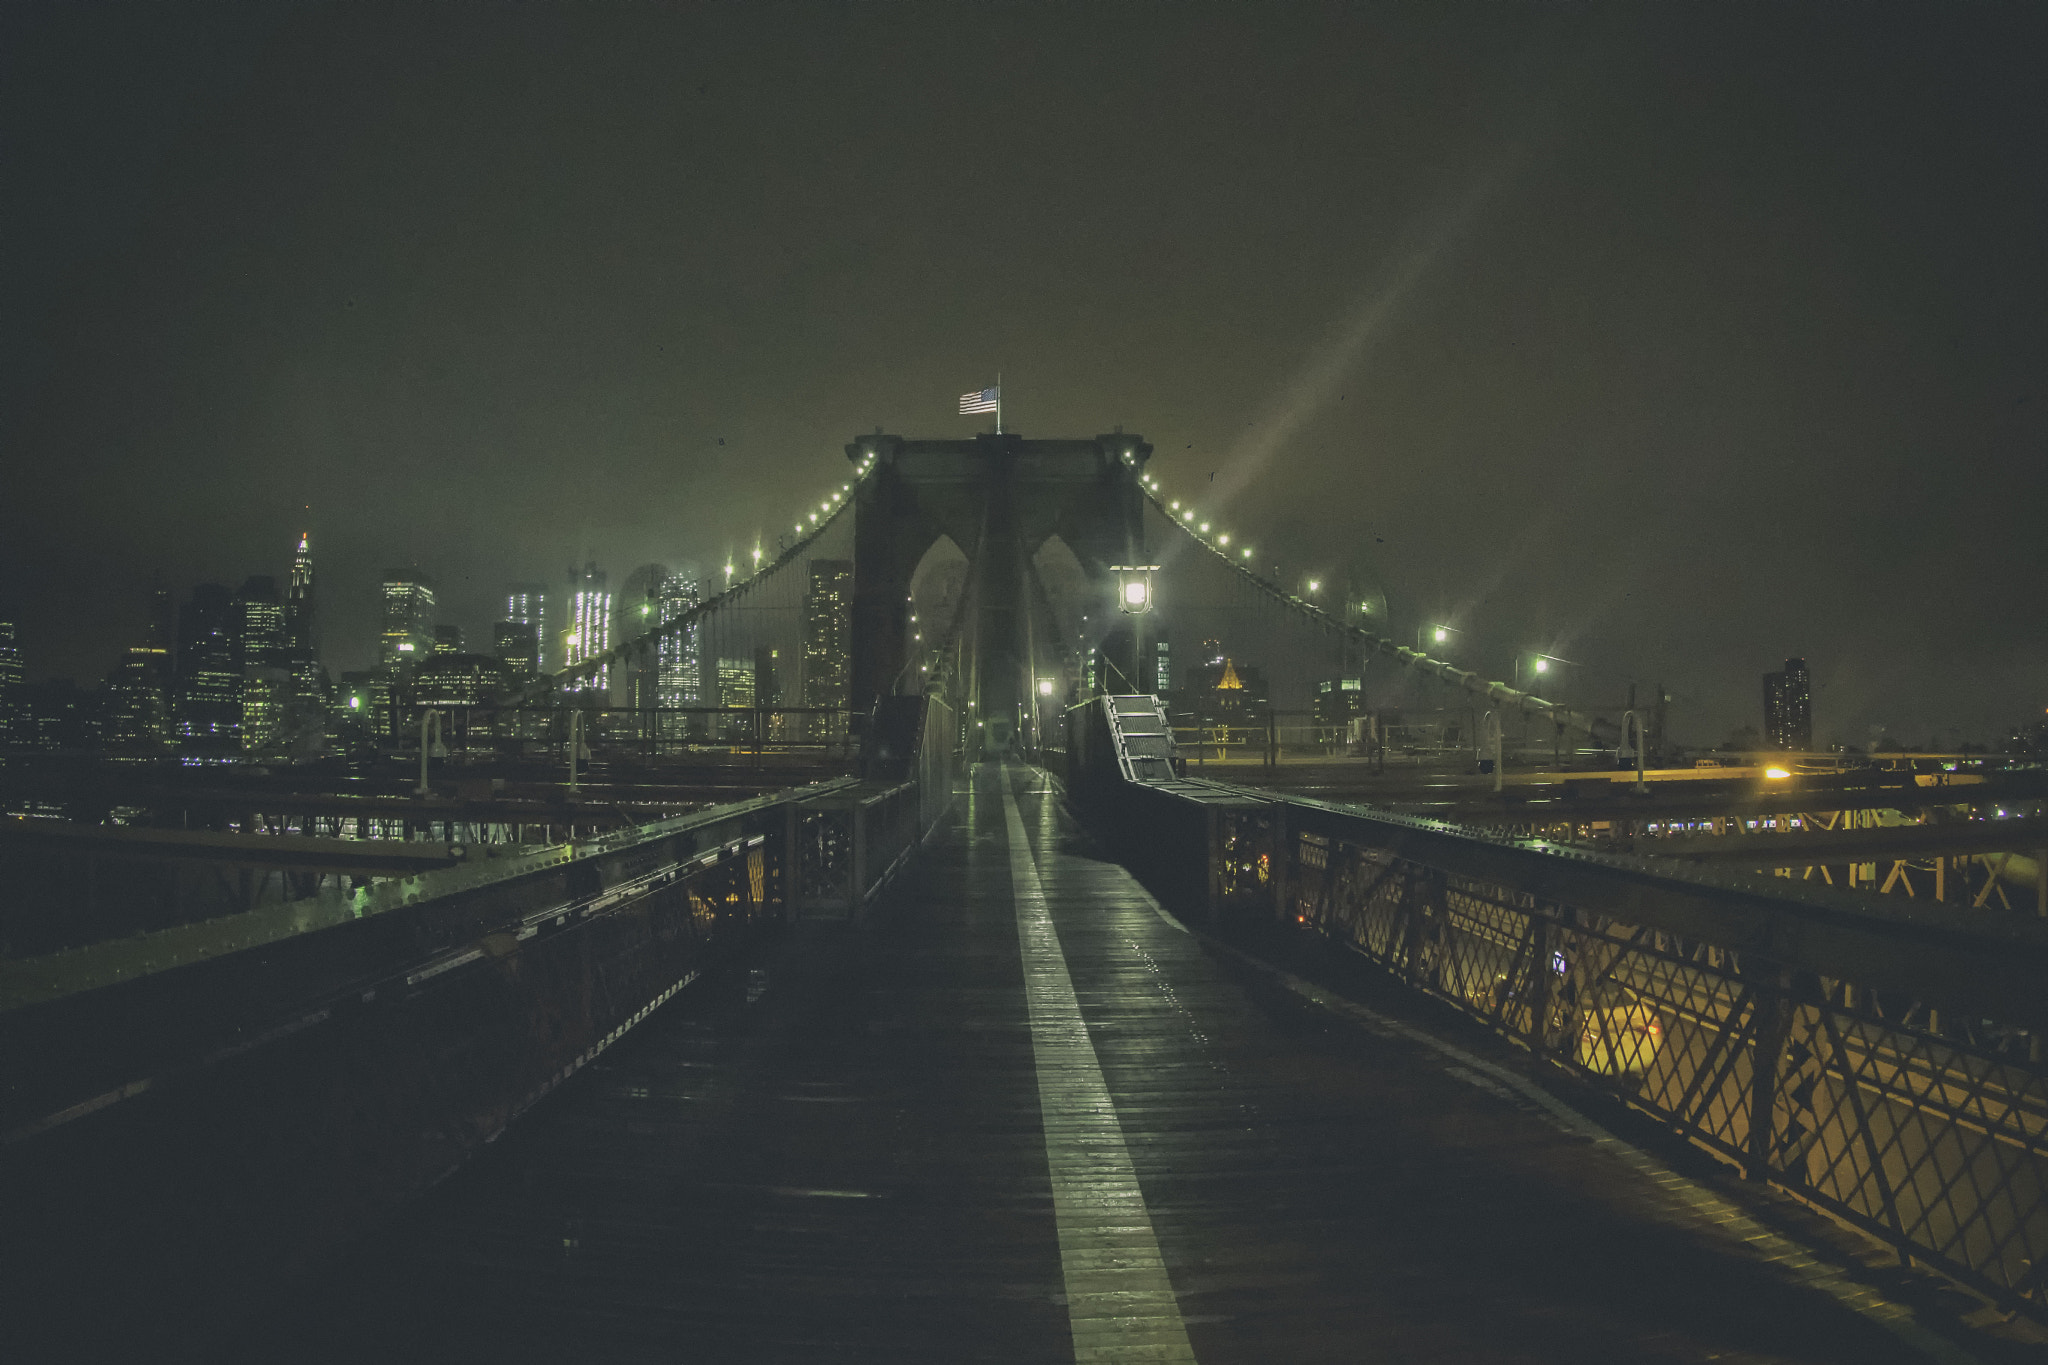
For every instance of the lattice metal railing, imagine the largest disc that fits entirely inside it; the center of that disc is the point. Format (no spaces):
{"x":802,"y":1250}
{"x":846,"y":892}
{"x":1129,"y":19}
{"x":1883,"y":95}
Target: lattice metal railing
{"x":1924,"y":1127}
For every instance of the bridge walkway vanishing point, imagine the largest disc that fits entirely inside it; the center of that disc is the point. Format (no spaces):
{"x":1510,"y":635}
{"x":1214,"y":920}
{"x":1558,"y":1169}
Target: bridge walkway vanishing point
{"x":896,"y":1142}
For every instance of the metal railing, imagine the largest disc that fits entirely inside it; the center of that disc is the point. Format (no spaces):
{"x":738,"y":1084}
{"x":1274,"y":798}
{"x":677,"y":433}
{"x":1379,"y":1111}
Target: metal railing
{"x":1880,"y":1061}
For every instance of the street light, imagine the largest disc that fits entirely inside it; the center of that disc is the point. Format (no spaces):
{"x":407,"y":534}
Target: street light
{"x":430,"y":718}
{"x":1045,"y":687}
{"x":1539,"y":664}
{"x":1134,"y":587}
{"x":1438,"y":634}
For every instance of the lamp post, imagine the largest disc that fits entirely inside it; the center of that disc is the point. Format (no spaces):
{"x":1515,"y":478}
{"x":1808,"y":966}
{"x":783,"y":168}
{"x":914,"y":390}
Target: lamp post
{"x":1539,"y":664}
{"x":1630,"y":721}
{"x":1492,"y":730}
{"x":577,"y":748}
{"x":1438,"y":634}
{"x":1134,"y":598}
{"x":429,"y":719}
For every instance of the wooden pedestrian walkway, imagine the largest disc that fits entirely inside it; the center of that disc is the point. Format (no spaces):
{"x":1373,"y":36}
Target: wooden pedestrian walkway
{"x":1021,"y":1113}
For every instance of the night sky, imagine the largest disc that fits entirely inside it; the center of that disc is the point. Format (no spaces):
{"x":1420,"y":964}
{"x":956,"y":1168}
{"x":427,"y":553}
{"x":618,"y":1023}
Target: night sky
{"x":1676,"y":340}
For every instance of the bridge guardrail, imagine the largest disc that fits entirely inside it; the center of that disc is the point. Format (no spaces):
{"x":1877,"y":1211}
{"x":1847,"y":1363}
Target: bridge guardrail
{"x":227,"y":1099}
{"x":1894,"y":1049}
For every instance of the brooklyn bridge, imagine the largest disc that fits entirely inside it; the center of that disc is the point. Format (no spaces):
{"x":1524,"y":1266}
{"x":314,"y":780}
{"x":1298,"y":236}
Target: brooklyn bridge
{"x":1012,"y":1007}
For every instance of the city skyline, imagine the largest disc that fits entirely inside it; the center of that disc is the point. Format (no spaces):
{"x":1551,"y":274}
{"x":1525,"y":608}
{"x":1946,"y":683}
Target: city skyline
{"x":1681,"y":377}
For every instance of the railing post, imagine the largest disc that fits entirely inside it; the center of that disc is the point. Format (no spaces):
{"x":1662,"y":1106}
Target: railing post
{"x":1540,"y":973}
{"x":1212,"y":838}
{"x":1773,"y":1019}
{"x":857,"y":865}
{"x":1283,"y":861}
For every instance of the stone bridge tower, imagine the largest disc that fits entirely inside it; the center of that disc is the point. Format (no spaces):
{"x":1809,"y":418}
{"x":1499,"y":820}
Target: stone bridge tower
{"x":999,"y":498}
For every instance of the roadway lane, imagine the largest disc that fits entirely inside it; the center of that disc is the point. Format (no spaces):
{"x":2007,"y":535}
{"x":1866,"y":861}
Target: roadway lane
{"x":896,"y":1144}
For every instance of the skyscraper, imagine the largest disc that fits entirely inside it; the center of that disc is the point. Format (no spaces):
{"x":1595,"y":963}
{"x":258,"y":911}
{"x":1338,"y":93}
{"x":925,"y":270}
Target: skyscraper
{"x":518,"y":644}
{"x":679,"y":664}
{"x":1788,"y":708}
{"x":298,"y":601}
{"x":302,"y":654}
{"x":590,"y":624}
{"x":138,"y":691}
{"x":827,"y":652}
{"x":736,"y":688}
{"x":10,"y":680}
{"x":206,"y":708}
{"x":527,"y":603}
{"x":408,"y":616}
{"x":262,"y":659}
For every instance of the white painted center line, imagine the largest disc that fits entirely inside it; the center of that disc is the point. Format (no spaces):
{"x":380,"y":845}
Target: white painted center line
{"x":1120,"y":1302}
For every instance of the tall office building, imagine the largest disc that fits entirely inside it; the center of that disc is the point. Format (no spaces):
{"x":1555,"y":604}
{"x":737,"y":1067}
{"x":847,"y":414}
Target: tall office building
{"x":827,"y":642}
{"x":206,"y":706}
{"x":138,"y":691}
{"x":518,"y":644}
{"x":590,"y":624}
{"x":298,"y":600}
{"x":1788,"y":708}
{"x":262,"y":659}
{"x":10,"y":680}
{"x":736,"y":688}
{"x":408,"y":616}
{"x":527,"y":604}
{"x":679,"y":664}
{"x":635,"y":611}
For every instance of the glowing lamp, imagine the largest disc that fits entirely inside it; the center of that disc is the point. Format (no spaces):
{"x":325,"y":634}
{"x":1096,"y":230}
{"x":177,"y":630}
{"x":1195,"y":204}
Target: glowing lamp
{"x":1045,"y":687}
{"x":1776,"y":773}
{"x":1133,"y":587}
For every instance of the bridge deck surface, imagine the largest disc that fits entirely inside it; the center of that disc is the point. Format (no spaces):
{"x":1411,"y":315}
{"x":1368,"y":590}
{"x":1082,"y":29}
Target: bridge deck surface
{"x":852,"y":1156}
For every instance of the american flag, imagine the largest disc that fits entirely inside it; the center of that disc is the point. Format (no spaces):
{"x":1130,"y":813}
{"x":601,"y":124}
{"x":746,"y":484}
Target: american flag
{"x":981,"y":400}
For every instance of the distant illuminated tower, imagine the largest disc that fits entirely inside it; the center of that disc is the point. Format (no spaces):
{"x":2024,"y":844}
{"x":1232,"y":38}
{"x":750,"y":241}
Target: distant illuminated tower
{"x":518,"y":644}
{"x":736,"y":688}
{"x":827,"y":648}
{"x":10,"y":680}
{"x":527,"y":604}
{"x":590,"y":624}
{"x":298,"y":600}
{"x":263,"y":661}
{"x":408,"y":616}
{"x":206,"y":709}
{"x":1788,"y":708}
{"x":138,"y":692}
{"x":680,"y":665}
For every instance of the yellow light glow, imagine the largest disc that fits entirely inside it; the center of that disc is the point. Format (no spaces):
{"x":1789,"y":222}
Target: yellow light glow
{"x":1775,"y":773}
{"x":1223,"y":539}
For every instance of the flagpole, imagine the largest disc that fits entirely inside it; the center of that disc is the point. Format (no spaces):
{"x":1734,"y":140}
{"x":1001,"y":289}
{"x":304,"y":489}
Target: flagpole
{"x":999,"y":402}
